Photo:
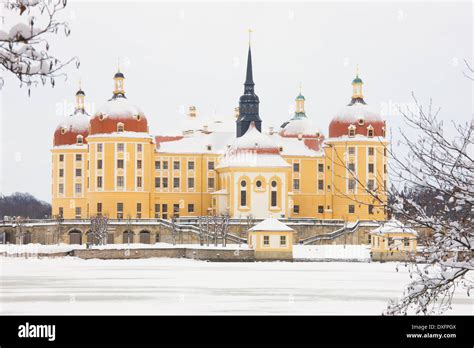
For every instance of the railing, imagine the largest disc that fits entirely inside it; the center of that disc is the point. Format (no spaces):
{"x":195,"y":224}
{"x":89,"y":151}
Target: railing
{"x":331,"y":235}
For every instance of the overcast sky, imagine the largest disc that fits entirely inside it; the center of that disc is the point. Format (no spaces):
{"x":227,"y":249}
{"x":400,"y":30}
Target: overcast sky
{"x":180,"y":54}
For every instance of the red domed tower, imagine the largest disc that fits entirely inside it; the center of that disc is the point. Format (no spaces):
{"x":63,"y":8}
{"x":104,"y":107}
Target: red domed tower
{"x":118,"y":115}
{"x":74,"y":128}
{"x":357,"y":119}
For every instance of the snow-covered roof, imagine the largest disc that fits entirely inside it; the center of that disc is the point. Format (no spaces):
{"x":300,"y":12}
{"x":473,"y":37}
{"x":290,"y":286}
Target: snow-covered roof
{"x":393,"y":226}
{"x":77,"y":122}
{"x":119,"y":108}
{"x":293,"y":147}
{"x":253,"y":139}
{"x":213,"y":143}
{"x":356,"y":137}
{"x":220,"y":192}
{"x":355,"y":112}
{"x":303,"y":126}
{"x":271,"y":224}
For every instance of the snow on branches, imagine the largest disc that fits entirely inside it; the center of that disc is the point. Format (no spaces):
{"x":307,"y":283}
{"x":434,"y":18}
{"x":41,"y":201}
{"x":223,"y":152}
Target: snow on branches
{"x":24,"y":49}
{"x":437,"y":194}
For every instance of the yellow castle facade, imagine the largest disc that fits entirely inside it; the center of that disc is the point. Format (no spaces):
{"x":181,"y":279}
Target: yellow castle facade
{"x":110,"y":164}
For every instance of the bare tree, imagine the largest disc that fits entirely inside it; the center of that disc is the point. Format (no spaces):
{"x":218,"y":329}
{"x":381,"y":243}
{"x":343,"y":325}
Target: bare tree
{"x":99,"y":226}
{"x":24,"y":48}
{"x":444,"y":167}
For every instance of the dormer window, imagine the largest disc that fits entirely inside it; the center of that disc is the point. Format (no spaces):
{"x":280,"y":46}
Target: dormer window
{"x":352,"y":130}
{"x":101,"y":117}
{"x":370,"y":131}
{"x":120,"y":127}
{"x":79,"y":140}
{"x":139,"y":117}
{"x":209,"y":147}
{"x":361,"y":121}
{"x":63,"y":130}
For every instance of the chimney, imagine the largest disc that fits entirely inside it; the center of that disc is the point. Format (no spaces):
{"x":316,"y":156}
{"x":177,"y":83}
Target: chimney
{"x":271,"y":130}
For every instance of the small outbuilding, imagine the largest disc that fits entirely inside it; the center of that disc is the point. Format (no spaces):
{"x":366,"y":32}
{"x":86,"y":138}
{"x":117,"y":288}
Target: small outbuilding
{"x":272,"y":240}
{"x":393,"y":241}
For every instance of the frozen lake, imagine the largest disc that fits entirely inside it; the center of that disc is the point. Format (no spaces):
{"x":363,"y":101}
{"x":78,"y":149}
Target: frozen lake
{"x":182,"y":286}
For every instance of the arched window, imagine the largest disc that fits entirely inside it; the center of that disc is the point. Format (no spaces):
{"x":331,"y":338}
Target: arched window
{"x":243,"y":193}
{"x":351,"y":129}
{"x":80,"y":140}
{"x":120,"y":127}
{"x":370,"y":131}
{"x":274,"y":194}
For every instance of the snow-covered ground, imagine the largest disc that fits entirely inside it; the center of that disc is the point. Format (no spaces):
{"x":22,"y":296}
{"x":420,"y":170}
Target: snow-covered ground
{"x":180,"y":286}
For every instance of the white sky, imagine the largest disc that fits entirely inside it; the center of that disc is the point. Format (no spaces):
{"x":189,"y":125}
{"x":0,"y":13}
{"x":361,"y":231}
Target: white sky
{"x":180,"y":54}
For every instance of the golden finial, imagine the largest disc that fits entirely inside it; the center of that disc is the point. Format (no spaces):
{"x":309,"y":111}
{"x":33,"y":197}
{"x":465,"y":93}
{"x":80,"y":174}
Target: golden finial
{"x":250,"y":36}
{"x":118,"y":64}
{"x":301,"y":87}
{"x":80,"y":84}
{"x":357,"y":70}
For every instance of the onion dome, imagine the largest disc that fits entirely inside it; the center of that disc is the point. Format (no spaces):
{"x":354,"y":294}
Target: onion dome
{"x":118,"y":114}
{"x":73,"y":130}
{"x":253,"y":149}
{"x":299,"y":126}
{"x":357,"y":118}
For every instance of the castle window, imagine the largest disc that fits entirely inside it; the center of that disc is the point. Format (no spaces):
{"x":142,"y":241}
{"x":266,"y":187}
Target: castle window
{"x":266,"y":240}
{"x":210,"y":165}
{"x":243,"y":193}
{"x":371,"y":168}
{"x":119,"y":181}
{"x":78,"y":212}
{"x":63,"y":130}
{"x":165,"y":182}
{"x":321,"y":167}
{"x":351,"y":209}
{"x":176,"y":210}
{"x":190,"y":183}
{"x":157,"y":165}
{"x":351,"y":150}
{"x":296,"y":184}
{"x":371,"y":209}
{"x":101,"y":117}
{"x":320,"y":209}
{"x":165,"y":165}
{"x":258,"y":183}
{"x":157,"y":211}
{"x":120,"y":127}
{"x":139,"y":181}
{"x":406,"y":242}
{"x":99,"y":164}
{"x":283,"y":240}
{"x":191,"y":165}
{"x":320,"y":185}
{"x":351,"y":184}
{"x":99,"y":208}
{"x":190,"y":208}
{"x":120,"y":163}
{"x":385,"y":169}
{"x":157,"y":182}
{"x":370,"y":131}
{"x":139,"y":117}
{"x":61,"y":188}
{"x":176,"y":165}
{"x":61,"y":211}
{"x":99,"y":147}
{"x":329,"y":187}
{"x":351,"y":167}
{"x":370,"y":184}
{"x":175,"y":182}
{"x":296,"y":209}
{"x":274,"y":194}
{"x":78,"y":172}
{"x":139,"y":210}
{"x":210,"y":183}
{"x":351,"y":130}
{"x":139,"y":164}
{"x":78,"y":157}
{"x":139,"y":147}
{"x":296,"y":167}
{"x":371,"y":151}
{"x":119,"y":210}
{"x":360,"y":121}
{"x":61,"y":158}
{"x":61,"y":173}
{"x":99,"y":182}
{"x":79,"y":139}
{"x":120,"y":147}
{"x":209,"y":147}
{"x":78,"y":188}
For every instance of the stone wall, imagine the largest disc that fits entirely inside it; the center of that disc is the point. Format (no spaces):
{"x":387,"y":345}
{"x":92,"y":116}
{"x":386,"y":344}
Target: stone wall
{"x":222,"y":255}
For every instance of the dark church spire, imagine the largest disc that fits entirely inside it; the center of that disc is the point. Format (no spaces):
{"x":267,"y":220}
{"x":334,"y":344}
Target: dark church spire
{"x":248,"y":104}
